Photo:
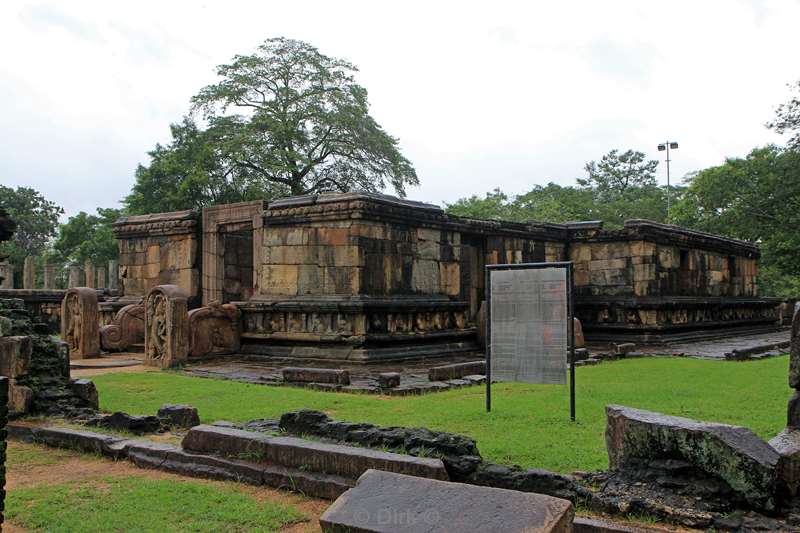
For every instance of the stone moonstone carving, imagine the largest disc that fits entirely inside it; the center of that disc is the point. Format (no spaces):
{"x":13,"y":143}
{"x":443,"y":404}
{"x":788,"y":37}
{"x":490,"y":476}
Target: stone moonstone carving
{"x":166,"y":326}
{"x":80,"y":322}
{"x":214,"y":330}
{"x":125,"y":330}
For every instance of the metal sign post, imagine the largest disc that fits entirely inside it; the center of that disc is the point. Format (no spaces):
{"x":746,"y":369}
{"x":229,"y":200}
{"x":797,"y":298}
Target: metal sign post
{"x":536,"y":353}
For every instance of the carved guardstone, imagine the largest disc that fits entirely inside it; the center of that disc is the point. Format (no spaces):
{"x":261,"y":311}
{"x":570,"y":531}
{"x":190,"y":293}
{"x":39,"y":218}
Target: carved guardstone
{"x":214,"y":330}
{"x":125,"y":330}
{"x":79,"y":322}
{"x":166,"y":326}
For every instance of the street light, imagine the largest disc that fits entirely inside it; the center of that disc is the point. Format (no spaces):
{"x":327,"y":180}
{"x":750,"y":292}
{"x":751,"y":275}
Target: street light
{"x":669,"y":145}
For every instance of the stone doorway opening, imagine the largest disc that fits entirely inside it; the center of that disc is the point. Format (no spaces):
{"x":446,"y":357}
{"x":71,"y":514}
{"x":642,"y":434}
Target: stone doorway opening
{"x":231,"y":244}
{"x":237,"y":257}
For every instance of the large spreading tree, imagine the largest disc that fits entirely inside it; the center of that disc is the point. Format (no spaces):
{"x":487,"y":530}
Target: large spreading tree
{"x":284,"y":120}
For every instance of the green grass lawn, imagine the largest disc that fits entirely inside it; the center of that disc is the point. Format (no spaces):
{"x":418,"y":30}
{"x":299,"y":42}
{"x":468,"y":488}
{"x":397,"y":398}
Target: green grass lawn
{"x":529,"y":424}
{"x":96,"y":502}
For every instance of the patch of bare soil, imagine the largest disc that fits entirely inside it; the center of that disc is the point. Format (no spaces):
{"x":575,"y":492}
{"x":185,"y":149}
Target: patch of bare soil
{"x":69,"y":466}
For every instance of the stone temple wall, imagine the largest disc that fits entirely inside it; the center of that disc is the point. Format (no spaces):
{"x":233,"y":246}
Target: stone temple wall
{"x":368,"y":277}
{"x":159,"y":249}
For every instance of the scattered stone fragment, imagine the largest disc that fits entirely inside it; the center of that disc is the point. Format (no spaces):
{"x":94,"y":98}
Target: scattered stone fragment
{"x":389,"y":380}
{"x":179,"y":415}
{"x":86,"y":391}
{"x":787,"y":444}
{"x":624,"y":348}
{"x":457,"y":370}
{"x":386,"y":502}
{"x":124,"y":422}
{"x":734,"y":454}
{"x":316,"y":375}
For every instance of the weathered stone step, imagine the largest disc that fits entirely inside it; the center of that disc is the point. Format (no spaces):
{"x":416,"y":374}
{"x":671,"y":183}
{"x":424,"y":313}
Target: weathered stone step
{"x":335,"y":459}
{"x":456,"y":370}
{"x":386,"y":502}
{"x":163,"y":456}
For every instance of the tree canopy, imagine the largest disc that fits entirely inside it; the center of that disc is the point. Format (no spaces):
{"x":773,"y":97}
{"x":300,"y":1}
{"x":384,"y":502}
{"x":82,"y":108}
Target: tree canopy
{"x":87,"y":237}
{"x":619,"y":187}
{"x":284,"y":120}
{"x":756,"y":198}
{"x":37,"y":222}
{"x":787,"y":118}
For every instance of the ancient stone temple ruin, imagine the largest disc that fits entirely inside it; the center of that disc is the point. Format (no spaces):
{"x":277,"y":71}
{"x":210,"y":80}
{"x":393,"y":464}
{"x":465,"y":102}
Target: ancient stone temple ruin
{"x":367,"y":277}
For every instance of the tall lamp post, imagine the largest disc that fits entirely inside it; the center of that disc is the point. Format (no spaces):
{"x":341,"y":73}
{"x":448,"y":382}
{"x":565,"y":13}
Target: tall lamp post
{"x":669,"y":145}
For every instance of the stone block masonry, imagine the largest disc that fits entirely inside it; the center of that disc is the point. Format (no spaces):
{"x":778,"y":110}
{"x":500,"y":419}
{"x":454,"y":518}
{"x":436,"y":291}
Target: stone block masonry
{"x":387,"y":502}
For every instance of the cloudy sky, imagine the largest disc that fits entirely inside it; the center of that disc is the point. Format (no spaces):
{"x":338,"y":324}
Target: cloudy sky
{"x":481,"y":95}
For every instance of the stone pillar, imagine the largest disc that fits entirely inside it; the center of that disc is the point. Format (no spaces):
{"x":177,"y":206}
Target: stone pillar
{"x":49,"y":276}
{"x":29,"y":273}
{"x":80,"y":327}
{"x":6,"y":276}
{"x":88,"y":269}
{"x":166,"y":326}
{"x":113,"y":275}
{"x":74,"y":277}
{"x":101,"y":278}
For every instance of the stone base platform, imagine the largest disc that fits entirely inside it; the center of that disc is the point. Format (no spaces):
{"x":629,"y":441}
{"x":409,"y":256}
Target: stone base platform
{"x":414,"y":376}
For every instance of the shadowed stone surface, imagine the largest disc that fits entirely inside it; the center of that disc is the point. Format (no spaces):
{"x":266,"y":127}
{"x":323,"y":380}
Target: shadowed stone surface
{"x":386,"y":502}
{"x":180,"y":415}
{"x":787,"y":444}
{"x":458,"y":370}
{"x":86,"y":391}
{"x":389,"y":380}
{"x":316,"y":375}
{"x":125,"y":422}
{"x":734,"y":454}
{"x":794,"y":353}
{"x":346,"y":461}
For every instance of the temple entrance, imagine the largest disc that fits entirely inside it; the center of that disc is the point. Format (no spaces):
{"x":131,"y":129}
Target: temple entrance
{"x":237,"y":256}
{"x":230,"y":251}
{"x":473,"y":260}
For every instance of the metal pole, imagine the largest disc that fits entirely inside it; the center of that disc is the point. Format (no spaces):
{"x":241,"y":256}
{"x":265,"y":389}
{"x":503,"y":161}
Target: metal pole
{"x":668,"y":187}
{"x":487,"y":293}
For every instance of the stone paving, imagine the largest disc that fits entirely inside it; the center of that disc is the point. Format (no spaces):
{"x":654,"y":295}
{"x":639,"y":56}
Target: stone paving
{"x":762,"y":345}
{"x":363,"y":378}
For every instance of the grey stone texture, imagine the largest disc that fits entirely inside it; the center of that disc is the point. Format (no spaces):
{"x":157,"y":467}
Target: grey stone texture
{"x":316,"y":375}
{"x":334,"y":459}
{"x":732,"y":453}
{"x":180,"y":415}
{"x":456,"y":371}
{"x":388,"y":502}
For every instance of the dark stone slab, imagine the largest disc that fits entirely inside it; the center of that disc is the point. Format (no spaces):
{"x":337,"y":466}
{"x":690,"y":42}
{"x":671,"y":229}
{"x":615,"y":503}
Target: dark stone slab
{"x":583,"y":524}
{"x":793,"y":411}
{"x":335,"y":459}
{"x":84,"y":441}
{"x":734,"y":454}
{"x":119,"y":421}
{"x":794,"y":353}
{"x":386,"y":502}
{"x":389,"y":379}
{"x":529,"y":480}
{"x":458,"y":370}
{"x":86,"y":391}
{"x":316,"y":375}
{"x":180,"y":415}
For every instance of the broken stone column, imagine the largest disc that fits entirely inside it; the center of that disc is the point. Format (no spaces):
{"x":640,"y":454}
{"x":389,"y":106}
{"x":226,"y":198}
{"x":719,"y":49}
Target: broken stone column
{"x":113,"y":275}
{"x":29,"y":273}
{"x":80,"y":322}
{"x":6,"y":276}
{"x":101,"y":278}
{"x":88,"y":269}
{"x":166,"y":326}
{"x":49,"y":276}
{"x":74,"y":277}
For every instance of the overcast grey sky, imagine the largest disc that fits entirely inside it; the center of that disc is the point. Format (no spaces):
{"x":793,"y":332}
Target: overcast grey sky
{"x":481,"y":95}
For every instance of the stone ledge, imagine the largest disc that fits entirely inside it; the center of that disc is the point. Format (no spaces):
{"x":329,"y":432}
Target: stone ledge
{"x":457,"y":371}
{"x":335,"y":459}
{"x":387,"y":502}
